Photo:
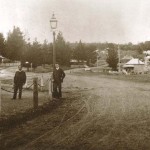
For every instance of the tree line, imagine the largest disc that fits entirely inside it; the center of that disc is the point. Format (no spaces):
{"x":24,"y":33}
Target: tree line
{"x":16,"y":47}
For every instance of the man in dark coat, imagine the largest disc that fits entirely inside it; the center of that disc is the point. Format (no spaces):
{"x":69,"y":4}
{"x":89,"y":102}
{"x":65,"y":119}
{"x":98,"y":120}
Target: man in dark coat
{"x":58,"y":76}
{"x":19,"y":81}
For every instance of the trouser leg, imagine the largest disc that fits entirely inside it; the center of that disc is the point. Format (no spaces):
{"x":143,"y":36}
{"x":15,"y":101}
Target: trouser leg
{"x":15,"y":91}
{"x":59,"y":90}
{"x":20,"y":91}
{"x":55,"y":93}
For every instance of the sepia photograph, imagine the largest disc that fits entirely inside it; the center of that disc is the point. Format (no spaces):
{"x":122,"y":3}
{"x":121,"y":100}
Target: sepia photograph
{"x":74,"y":74}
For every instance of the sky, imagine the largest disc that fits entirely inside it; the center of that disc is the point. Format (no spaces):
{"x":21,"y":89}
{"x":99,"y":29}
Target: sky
{"x":118,"y":21}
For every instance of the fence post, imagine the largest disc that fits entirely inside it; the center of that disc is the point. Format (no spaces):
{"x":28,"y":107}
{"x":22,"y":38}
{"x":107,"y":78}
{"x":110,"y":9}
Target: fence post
{"x":31,"y":67}
{"x":0,"y":98}
{"x":42,"y":83}
{"x":35,"y":93}
{"x":49,"y":87}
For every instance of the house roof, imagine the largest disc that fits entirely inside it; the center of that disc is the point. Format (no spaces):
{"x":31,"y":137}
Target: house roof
{"x":135,"y":61}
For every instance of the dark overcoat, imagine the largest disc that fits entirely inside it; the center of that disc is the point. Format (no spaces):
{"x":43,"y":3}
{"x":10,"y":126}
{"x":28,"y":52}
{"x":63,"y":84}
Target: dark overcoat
{"x":20,"y":78}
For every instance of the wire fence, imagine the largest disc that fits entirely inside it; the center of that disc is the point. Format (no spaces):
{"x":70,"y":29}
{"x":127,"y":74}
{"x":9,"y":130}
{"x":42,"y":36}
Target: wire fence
{"x":36,"y":87}
{"x":43,"y":84}
{"x":13,"y":91}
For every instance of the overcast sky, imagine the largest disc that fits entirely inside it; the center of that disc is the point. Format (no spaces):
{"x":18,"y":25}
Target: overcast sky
{"x":119,"y":21}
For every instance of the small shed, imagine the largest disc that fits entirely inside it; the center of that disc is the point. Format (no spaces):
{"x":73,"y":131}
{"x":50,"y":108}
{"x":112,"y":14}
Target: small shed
{"x":77,"y":63}
{"x":135,"y":65}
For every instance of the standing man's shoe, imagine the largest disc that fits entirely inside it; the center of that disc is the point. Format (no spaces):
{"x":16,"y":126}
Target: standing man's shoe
{"x":13,"y":98}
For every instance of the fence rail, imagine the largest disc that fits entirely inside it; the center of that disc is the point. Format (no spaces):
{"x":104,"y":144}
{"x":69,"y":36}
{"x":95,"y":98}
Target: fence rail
{"x":35,"y":86}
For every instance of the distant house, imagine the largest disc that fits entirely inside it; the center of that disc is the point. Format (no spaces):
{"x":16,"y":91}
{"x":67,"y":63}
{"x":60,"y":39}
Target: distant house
{"x":5,"y":60}
{"x":1,"y":59}
{"x":134,"y":65}
{"x":147,"y":60}
{"x":77,"y":64}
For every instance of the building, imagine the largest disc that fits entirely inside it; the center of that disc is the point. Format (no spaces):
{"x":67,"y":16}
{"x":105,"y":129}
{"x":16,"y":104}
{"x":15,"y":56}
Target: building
{"x":77,"y":64}
{"x":134,"y":65}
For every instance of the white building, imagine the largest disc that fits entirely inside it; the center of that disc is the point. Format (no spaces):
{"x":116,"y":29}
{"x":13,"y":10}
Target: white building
{"x":135,"y":65}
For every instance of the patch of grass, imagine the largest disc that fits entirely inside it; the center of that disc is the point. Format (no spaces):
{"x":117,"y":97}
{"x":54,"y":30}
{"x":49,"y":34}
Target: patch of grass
{"x":7,"y":122}
{"x":48,"y":122}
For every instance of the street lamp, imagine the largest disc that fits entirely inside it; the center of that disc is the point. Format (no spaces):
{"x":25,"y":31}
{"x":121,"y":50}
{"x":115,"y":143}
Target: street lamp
{"x":53,"y":23}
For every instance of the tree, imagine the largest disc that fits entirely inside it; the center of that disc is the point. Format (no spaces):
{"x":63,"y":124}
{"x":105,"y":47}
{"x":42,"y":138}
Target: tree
{"x":2,"y":44}
{"x":79,"y":52}
{"x":47,"y":50}
{"x":147,"y":45}
{"x":141,"y":47}
{"x":63,"y":50}
{"x":112,"y":58}
{"x":90,"y":54}
{"x":35,"y":54}
{"x":15,"y":44}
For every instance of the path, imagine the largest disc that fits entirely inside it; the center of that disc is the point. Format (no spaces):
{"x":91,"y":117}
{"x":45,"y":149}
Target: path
{"x":116,"y":115}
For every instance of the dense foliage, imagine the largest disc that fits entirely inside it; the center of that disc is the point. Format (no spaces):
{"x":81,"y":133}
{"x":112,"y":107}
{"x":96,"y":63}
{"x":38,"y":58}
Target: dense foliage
{"x":63,"y":50}
{"x":112,"y":57}
{"x":15,"y":44}
{"x":15,"y":47}
{"x":2,"y":44}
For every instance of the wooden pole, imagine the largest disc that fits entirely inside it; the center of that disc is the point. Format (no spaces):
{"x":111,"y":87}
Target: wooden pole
{"x":119,"y":57}
{"x":31,"y":67}
{"x":0,"y":98}
{"x":49,"y":87}
{"x":54,"y":52}
{"x":35,"y":93}
{"x":42,"y":83}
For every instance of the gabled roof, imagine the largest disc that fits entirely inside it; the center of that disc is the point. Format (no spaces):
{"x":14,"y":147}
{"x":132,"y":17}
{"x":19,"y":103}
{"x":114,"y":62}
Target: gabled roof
{"x":135,"y":61}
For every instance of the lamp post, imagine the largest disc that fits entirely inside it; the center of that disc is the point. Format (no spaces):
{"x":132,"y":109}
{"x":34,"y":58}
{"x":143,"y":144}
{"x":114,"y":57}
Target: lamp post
{"x":53,"y":23}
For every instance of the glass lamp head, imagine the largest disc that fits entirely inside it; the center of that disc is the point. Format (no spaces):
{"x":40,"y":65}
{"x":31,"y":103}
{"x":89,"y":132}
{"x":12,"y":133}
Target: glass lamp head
{"x":53,"y":22}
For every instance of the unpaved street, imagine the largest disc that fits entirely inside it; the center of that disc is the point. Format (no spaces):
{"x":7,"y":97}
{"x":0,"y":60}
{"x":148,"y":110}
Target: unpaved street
{"x":97,"y":113}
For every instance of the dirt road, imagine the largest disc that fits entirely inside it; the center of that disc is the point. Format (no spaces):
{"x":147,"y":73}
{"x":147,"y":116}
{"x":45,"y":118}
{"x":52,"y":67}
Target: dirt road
{"x":97,"y":113}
